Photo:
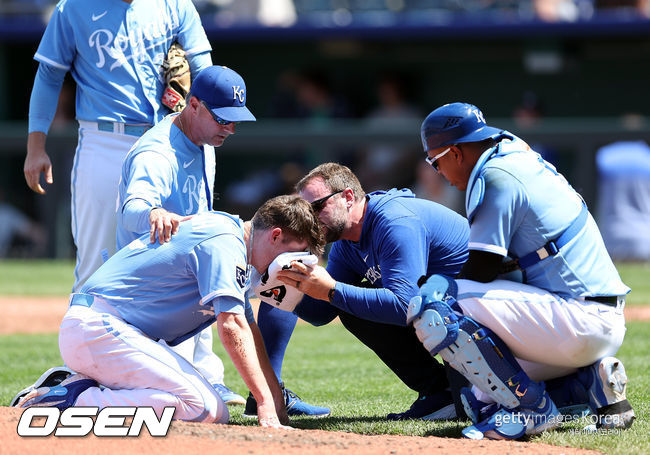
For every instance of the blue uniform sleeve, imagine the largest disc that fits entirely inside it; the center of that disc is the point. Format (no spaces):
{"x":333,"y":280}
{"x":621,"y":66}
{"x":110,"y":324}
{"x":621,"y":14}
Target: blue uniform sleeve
{"x":319,"y":312}
{"x":219,"y":264}
{"x":191,"y":34}
{"x":500,"y":214}
{"x":135,"y":216}
{"x":149,"y":183}
{"x":403,"y":250}
{"x":228,"y":304}
{"x":197,"y":62}
{"x":45,"y":96}
{"x":57,"y":46}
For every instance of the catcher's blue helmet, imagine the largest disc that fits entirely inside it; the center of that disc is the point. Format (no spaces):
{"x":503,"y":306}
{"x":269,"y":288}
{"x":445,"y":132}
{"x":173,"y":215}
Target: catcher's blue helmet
{"x":455,"y":123}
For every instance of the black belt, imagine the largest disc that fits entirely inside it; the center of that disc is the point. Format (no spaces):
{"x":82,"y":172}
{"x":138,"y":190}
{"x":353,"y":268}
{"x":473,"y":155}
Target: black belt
{"x":610,"y":300}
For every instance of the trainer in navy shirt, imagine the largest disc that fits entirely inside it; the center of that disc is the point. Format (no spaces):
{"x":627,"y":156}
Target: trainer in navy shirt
{"x":383,"y":243}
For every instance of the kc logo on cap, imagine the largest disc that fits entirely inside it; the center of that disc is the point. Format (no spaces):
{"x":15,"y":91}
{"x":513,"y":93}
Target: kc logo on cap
{"x":238,"y":92}
{"x":224,"y":93}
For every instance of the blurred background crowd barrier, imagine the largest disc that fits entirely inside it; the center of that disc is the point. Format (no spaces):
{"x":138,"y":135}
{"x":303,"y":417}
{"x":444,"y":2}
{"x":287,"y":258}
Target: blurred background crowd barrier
{"x":351,"y":80}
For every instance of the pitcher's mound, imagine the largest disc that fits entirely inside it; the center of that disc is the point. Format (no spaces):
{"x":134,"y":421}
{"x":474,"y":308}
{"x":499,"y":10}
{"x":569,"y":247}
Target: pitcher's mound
{"x":200,"y":438}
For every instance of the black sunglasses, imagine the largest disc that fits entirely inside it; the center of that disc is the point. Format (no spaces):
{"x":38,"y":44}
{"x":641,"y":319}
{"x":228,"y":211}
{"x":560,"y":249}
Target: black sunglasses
{"x":216,"y":118}
{"x":318,"y":204}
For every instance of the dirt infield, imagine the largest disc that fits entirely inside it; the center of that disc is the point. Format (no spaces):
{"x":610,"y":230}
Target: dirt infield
{"x":192,"y":438}
{"x":43,"y":315}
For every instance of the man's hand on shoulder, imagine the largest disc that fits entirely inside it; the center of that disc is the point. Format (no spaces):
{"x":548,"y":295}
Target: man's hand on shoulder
{"x":164,"y":224}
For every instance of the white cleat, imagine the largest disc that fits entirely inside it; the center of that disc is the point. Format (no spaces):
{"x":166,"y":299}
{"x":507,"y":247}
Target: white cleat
{"x":607,"y":394}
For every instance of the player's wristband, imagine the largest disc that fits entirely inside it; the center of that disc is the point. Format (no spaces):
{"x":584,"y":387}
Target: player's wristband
{"x":330,"y":294}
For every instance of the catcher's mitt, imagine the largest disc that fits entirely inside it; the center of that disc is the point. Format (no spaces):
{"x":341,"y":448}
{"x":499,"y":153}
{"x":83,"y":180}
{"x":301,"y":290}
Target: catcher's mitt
{"x":176,"y":71}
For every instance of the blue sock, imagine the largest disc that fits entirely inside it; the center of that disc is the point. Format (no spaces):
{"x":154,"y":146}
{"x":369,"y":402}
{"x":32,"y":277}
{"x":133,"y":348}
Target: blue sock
{"x":276,"y":327}
{"x":570,"y":390}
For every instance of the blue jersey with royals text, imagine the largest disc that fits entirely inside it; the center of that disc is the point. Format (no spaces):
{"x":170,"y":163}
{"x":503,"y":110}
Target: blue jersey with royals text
{"x":517,"y":202}
{"x":114,"y":51}
{"x":174,"y":290}
{"x":402,"y":239}
{"x":163,"y":169}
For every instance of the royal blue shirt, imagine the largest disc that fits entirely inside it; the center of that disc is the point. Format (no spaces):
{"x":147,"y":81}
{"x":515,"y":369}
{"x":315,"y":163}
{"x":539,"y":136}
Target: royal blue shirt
{"x":402,"y":239}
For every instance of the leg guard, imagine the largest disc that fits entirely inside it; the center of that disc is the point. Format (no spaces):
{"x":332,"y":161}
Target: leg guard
{"x":475,"y":409}
{"x":475,"y":351}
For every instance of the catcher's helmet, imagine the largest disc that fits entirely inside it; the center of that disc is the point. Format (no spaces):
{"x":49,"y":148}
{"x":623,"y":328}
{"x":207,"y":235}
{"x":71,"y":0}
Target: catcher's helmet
{"x":455,"y":123}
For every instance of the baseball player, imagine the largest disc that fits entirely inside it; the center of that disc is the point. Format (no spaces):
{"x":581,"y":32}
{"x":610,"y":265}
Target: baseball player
{"x":171,"y":291}
{"x":165,"y":177}
{"x":565,"y":317}
{"x":115,"y":51}
{"x":383,"y":242}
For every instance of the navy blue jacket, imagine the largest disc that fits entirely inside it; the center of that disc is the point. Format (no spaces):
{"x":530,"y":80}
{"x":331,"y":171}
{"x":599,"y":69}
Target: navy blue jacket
{"x":402,"y":239}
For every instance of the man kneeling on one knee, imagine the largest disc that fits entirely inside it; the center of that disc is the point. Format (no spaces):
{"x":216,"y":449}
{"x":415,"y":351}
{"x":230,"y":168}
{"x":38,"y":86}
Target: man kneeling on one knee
{"x":561,"y":322}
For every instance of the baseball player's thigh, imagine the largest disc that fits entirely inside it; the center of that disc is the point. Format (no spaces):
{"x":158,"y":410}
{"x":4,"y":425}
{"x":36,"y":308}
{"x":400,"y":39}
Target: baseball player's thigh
{"x":136,"y":370}
{"x":541,"y":327}
{"x":205,"y":360}
{"x":94,"y":186}
{"x":198,"y":351}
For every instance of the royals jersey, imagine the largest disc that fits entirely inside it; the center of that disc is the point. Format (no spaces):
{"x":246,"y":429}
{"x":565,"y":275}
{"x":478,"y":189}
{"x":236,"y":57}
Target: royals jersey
{"x":174,"y":290}
{"x":163,"y":169}
{"x":517,"y":202}
{"x":114,"y":51}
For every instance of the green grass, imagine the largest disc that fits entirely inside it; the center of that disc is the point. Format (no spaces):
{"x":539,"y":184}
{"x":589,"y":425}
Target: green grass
{"x":55,"y":278}
{"x":327,"y":365}
{"x":637,"y":277}
{"x":36,"y":277}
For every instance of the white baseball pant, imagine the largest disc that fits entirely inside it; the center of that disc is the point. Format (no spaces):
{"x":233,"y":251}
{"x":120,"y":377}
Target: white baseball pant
{"x":550,"y":336}
{"x":134,"y":369}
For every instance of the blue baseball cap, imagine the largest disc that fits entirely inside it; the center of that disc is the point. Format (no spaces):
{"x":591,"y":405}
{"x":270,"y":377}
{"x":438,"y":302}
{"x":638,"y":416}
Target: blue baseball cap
{"x":455,"y":123}
{"x":224,"y":91}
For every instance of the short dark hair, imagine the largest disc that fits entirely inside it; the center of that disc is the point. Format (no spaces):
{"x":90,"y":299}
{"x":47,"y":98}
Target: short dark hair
{"x":295,"y":217}
{"x":336,"y":176}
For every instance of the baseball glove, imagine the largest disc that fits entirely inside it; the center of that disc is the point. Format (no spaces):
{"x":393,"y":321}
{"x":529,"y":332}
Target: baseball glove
{"x":176,"y":71}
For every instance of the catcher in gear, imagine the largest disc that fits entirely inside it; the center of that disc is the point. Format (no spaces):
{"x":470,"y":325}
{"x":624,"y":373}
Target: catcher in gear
{"x":176,"y":71}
